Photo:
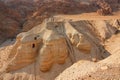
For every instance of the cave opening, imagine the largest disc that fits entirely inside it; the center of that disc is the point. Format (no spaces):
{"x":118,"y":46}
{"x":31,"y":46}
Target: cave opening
{"x":33,"y":45}
{"x":35,"y":38}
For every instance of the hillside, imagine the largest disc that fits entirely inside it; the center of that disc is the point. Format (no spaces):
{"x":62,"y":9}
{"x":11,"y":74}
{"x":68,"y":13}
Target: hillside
{"x":9,"y":22}
{"x":59,"y":40}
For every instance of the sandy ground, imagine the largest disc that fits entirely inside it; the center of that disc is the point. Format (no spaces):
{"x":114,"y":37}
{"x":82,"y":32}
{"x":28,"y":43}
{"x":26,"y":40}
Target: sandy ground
{"x":89,"y":16}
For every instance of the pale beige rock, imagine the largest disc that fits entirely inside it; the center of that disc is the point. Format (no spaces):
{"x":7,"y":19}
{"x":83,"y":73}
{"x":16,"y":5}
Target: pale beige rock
{"x":52,"y":51}
{"x":104,"y":67}
{"x":48,"y":46}
{"x":77,"y":39}
{"x":57,"y":42}
{"x":102,"y":70}
{"x":47,"y":41}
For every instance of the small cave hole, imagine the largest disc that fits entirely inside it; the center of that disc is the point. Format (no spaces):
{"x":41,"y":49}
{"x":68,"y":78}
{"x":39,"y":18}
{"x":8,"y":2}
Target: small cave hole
{"x":35,"y":38}
{"x":89,"y":75}
{"x":56,"y":26}
{"x":33,"y":45}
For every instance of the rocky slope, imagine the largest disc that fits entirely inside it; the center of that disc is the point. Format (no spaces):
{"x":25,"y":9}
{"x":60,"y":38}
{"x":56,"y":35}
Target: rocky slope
{"x":60,"y":47}
{"x":33,"y":12}
{"x":39,"y":52}
{"x":45,"y":9}
{"x":106,"y":69}
{"x":9,"y":22}
{"x":27,"y":14}
{"x":23,"y":7}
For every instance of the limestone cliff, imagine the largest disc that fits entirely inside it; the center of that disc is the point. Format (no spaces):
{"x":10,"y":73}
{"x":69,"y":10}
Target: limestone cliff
{"x":103,"y":70}
{"x":61,"y":41}
{"x":58,"y":42}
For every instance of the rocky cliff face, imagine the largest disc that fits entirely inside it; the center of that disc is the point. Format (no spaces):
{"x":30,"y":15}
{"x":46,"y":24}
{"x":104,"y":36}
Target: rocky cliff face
{"x":57,"y":42}
{"x":51,"y":45}
{"x":9,"y":25}
{"x":103,"y":70}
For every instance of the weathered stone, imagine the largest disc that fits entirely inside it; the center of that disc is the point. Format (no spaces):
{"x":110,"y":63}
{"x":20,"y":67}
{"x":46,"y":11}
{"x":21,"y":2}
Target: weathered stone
{"x":104,"y":67}
{"x":52,"y":42}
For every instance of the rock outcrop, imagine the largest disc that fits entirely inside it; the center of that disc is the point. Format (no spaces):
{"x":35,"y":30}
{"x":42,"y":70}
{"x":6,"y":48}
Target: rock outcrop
{"x":51,"y":44}
{"x":103,"y":70}
{"x":59,"y":42}
{"x":54,"y":41}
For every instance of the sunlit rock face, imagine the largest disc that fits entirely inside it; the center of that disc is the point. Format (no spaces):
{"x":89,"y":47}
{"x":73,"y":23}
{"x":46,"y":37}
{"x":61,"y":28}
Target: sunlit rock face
{"x":53,"y":42}
{"x":56,"y":43}
{"x":44,"y":45}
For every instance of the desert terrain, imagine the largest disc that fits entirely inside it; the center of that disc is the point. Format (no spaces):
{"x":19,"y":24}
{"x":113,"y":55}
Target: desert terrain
{"x":59,"y":40}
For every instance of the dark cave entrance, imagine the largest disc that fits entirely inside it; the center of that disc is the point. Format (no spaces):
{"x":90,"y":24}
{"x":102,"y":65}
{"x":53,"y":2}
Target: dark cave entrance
{"x":33,"y":45}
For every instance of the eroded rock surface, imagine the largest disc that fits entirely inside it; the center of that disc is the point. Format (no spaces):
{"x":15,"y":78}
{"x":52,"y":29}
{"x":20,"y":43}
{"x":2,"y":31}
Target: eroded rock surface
{"x":108,"y":68}
{"x":60,"y":43}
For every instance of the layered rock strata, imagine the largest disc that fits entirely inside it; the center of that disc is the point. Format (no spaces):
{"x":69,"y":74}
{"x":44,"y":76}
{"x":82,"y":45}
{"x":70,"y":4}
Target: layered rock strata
{"x":54,"y":42}
{"x":45,"y":42}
